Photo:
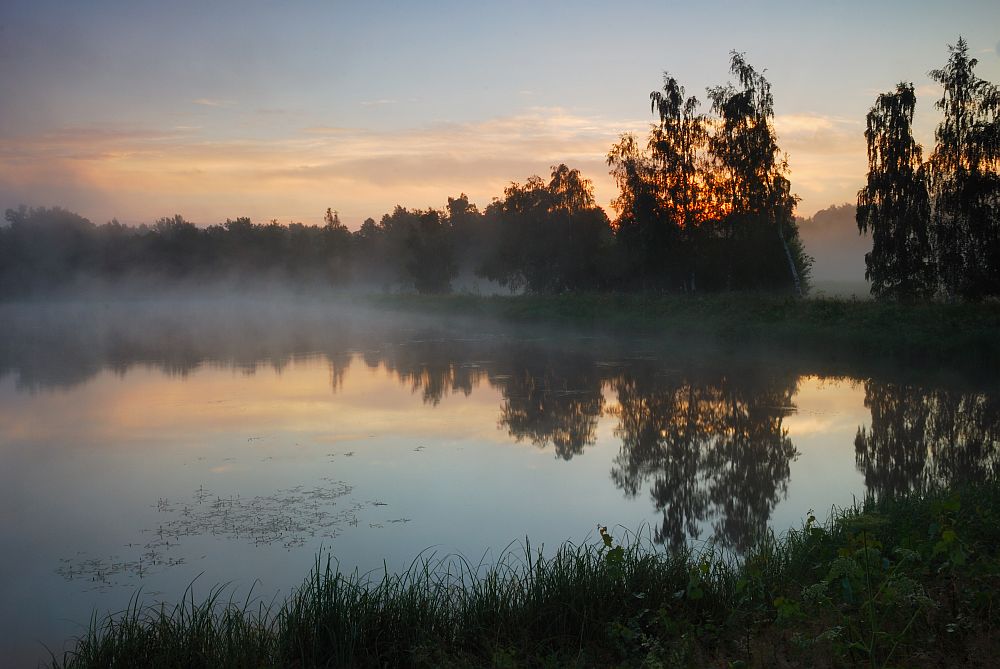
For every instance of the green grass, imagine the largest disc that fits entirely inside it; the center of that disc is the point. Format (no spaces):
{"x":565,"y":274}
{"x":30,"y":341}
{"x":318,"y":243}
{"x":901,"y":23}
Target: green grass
{"x":927,"y":332}
{"x":904,"y":582}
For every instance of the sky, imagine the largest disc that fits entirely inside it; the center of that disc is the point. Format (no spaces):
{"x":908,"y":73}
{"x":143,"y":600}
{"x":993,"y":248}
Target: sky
{"x":277,"y":110}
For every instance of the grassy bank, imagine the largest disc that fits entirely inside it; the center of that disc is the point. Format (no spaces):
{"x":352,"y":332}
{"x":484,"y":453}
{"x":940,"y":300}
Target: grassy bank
{"x":936,"y":332}
{"x":906,"y":582}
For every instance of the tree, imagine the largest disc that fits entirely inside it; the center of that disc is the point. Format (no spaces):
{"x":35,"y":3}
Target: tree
{"x":467,"y":233}
{"x":965,"y":178}
{"x":430,"y":261}
{"x":663,"y":192}
{"x":637,"y":223}
{"x":894,"y":206}
{"x":709,"y":203}
{"x":750,"y":181}
{"x":678,"y":147}
{"x":336,"y":248}
{"x":45,"y":247}
{"x":549,"y":236}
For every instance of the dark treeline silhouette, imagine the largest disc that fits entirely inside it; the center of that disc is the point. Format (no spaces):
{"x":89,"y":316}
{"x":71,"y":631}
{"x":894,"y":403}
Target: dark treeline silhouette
{"x":935,"y":224}
{"x":705,"y":206}
{"x":540,"y":236}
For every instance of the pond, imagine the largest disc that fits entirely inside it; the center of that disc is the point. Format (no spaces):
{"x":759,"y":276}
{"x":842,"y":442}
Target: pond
{"x":152,"y":446}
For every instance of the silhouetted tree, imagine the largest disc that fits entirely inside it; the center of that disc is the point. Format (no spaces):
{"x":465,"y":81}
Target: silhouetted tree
{"x":44,"y":248}
{"x":965,"y":178}
{"x":396,"y":230}
{"x":549,"y":236}
{"x":750,"y":181}
{"x":677,"y":146}
{"x":336,"y":248}
{"x":893,"y":206}
{"x":430,"y":260}
{"x":469,"y":240}
{"x":638,"y":225}
{"x":708,"y":205}
{"x":367,"y":244}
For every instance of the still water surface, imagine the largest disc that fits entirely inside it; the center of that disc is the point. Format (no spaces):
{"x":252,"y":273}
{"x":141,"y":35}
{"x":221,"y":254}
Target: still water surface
{"x":152,"y":446}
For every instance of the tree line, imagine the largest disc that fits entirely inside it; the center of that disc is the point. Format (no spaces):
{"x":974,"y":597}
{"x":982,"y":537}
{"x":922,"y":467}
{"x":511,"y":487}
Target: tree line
{"x":704,"y":205}
{"x":541,"y":236}
{"x":935,"y":224}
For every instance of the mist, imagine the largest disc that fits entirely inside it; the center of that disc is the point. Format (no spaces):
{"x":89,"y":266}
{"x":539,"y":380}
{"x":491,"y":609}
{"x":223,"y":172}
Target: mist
{"x":838,"y":250}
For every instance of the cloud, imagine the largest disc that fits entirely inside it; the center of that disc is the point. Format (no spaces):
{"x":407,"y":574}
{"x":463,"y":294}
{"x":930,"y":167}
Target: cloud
{"x":212,"y":102}
{"x":137,"y":174}
{"x":812,"y":132}
{"x":142,"y":172}
{"x":327,"y":130}
{"x":827,"y":156}
{"x":377,"y":103}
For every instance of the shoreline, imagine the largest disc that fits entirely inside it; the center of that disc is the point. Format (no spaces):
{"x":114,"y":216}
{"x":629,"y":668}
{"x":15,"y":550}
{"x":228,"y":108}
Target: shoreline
{"x":909,"y":580}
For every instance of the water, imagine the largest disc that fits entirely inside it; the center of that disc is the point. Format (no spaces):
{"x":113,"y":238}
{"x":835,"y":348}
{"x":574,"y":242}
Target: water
{"x":158,"y":445}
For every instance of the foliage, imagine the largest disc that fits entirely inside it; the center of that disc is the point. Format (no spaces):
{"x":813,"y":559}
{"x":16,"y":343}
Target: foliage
{"x":935,"y":225}
{"x":894,"y":205}
{"x":708,"y":205}
{"x":705,"y":205}
{"x":549,"y":237}
{"x":965,"y":178}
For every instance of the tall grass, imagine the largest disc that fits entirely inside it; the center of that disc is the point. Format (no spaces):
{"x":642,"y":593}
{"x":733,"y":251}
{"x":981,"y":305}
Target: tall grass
{"x":908,"y":581}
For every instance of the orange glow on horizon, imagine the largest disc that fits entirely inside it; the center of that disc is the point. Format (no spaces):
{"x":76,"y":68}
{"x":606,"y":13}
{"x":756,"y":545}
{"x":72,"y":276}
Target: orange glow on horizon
{"x":140,"y":175}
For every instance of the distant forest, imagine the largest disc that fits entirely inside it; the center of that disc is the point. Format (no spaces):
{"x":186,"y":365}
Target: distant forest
{"x":705,"y":204}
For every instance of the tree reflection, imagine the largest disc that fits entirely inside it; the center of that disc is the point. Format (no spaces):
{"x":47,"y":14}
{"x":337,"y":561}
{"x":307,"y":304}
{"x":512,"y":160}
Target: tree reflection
{"x":551,"y":399}
{"x":434,"y":366}
{"x":923,"y":437}
{"x":713,"y":450}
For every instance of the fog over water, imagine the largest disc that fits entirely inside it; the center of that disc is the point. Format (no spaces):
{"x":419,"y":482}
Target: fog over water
{"x":147,"y":442}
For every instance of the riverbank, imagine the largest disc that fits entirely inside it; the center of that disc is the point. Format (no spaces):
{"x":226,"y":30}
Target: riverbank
{"x":818,"y":328}
{"x":928,"y":332}
{"x":911,"y":581}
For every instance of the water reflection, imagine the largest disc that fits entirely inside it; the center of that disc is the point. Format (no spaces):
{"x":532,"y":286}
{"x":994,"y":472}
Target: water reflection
{"x":707,"y":442}
{"x":712,"y":446}
{"x":552,"y":399}
{"x":920,"y":437}
{"x":429,"y":364}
